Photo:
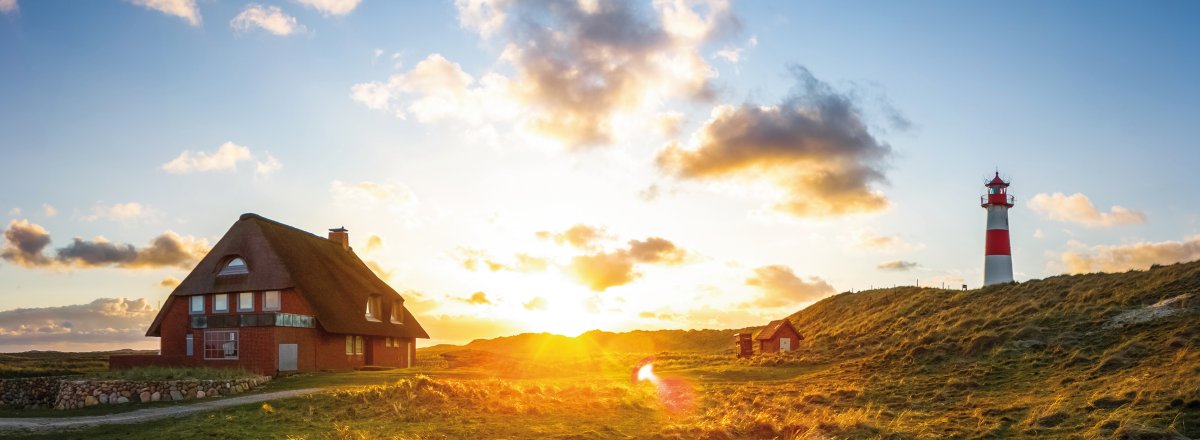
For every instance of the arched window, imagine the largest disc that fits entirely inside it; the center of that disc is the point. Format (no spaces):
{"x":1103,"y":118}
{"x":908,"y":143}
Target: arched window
{"x":235,"y":266}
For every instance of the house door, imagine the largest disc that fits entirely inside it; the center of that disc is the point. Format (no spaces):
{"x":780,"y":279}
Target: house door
{"x":369,"y":352}
{"x":785,"y":344}
{"x":287,"y":357}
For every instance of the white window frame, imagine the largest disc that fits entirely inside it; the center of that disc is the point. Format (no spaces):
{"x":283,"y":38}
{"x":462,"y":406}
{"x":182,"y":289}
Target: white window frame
{"x":267,"y":296}
{"x":230,"y":269}
{"x":373,"y":305}
{"x":228,"y":340}
{"x":397,"y":312}
{"x":193,"y":301}
{"x":218,"y":299}
{"x":242,"y":306}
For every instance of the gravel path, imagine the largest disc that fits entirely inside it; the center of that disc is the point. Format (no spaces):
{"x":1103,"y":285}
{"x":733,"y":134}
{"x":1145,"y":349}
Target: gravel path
{"x":141,"y":415}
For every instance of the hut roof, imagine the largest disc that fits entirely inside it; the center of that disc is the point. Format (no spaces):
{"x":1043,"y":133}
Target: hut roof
{"x":772,"y":329}
{"x":331,"y":278}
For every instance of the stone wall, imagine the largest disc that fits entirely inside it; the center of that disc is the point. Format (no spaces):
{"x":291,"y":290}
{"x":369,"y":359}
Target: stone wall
{"x":73,"y":392}
{"x":29,"y":393}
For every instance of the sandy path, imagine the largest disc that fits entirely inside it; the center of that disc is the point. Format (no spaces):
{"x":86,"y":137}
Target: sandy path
{"x":141,"y":415}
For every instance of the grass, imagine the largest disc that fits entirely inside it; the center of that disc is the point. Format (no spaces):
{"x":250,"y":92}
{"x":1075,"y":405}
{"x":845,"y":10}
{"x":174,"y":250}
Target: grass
{"x":171,"y":373}
{"x":1038,"y":359}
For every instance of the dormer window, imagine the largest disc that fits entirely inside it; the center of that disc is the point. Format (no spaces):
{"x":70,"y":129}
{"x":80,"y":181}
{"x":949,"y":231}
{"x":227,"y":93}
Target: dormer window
{"x":374,"y":313}
{"x":235,"y":266}
{"x":397,"y":312}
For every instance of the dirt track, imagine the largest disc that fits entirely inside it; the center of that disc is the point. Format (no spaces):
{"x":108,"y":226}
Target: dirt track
{"x":141,"y":415}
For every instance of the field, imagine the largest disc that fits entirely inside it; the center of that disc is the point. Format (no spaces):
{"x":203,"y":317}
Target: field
{"x":1093,"y":356}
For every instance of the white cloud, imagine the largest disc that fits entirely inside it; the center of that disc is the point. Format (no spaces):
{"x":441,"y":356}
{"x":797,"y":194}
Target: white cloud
{"x":331,"y":7}
{"x":14,"y":212}
{"x":185,"y":9}
{"x":9,"y":6}
{"x":1120,"y":258}
{"x":268,"y":18}
{"x":103,"y":324}
{"x":267,"y":166}
{"x":226,"y":158}
{"x":124,"y":212}
{"x":1077,"y":208}
{"x":394,"y":196}
{"x":872,"y":241}
{"x":731,"y":55}
{"x":48,"y":210}
{"x":583,"y":74}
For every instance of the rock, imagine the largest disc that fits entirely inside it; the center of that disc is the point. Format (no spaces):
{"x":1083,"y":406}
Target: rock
{"x":144,"y":396}
{"x":122,"y":399}
{"x":155,"y":396}
{"x":199,"y":394}
{"x":91,"y":400}
{"x":103,"y":399}
{"x":176,"y":395}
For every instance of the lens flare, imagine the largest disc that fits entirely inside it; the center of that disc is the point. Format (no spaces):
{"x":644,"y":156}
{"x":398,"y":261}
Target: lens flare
{"x":676,"y":394}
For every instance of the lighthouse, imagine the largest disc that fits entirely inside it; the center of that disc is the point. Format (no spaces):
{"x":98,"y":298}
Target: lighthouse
{"x":997,"y":260}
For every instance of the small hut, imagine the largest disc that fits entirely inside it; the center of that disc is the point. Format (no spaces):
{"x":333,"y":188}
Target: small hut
{"x":778,"y":336}
{"x":743,"y":345}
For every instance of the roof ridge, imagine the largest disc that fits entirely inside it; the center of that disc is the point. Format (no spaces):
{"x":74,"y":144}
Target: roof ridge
{"x":253,"y":216}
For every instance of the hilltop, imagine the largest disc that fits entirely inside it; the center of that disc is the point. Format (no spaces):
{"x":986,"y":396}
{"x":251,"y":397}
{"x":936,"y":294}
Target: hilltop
{"x":1103,"y":354}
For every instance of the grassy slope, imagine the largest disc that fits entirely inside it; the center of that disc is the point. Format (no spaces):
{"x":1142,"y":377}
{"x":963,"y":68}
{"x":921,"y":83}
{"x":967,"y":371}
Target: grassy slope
{"x":1033,"y":359}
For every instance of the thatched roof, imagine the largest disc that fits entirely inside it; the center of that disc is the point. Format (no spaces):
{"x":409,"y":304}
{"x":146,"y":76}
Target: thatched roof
{"x":334,"y":281}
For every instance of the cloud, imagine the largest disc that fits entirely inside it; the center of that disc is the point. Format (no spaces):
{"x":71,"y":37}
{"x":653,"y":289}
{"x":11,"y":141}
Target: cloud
{"x":268,"y":166}
{"x":872,"y":241}
{"x":656,"y":250}
{"x":475,"y":259}
{"x":25,"y":243}
{"x":14,"y":212}
{"x":602,"y":270}
{"x":9,"y":7}
{"x":185,"y":9}
{"x":169,"y":282}
{"x":578,"y":68}
{"x":48,"y":210}
{"x":124,"y":212}
{"x":1120,"y":258}
{"x":331,"y":7}
{"x":477,"y":298}
{"x":167,"y":250}
{"x":668,"y":123}
{"x":268,"y":18}
{"x":814,"y":147}
{"x":374,"y":243}
{"x":897,"y":265}
{"x":393,"y":196}
{"x":225,"y":158}
{"x":537,"y":303}
{"x":1077,"y":208}
{"x":580,"y":236}
{"x":781,"y":287}
{"x":105,"y":323}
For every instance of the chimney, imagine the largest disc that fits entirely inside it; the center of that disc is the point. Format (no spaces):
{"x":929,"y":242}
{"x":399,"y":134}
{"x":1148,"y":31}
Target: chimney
{"x":340,"y":235}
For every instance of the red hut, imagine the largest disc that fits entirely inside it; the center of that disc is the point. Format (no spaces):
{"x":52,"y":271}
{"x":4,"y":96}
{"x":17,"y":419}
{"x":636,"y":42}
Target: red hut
{"x":778,"y":336}
{"x":272,"y":298}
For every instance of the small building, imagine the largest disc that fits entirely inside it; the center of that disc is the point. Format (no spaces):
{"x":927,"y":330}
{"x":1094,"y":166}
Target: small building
{"x":271,"y":298}
{"x":778,"y":336}
{"x":743,"y":345}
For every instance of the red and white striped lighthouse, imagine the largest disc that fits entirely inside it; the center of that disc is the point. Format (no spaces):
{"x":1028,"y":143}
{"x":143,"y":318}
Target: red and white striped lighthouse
{"x":997,"y":260}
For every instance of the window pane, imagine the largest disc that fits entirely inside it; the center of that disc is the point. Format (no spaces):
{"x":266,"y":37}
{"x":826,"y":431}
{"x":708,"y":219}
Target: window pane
{"x":271,"y":300}
{"x":198,"y":304}
{"x":221,"y":344}
{"x":349,"y":344}
{"x":358,"y":345}
{"x":246,"y":301}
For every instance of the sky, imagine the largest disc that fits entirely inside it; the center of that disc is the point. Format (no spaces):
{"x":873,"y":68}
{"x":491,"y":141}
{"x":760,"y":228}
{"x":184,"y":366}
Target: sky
{"x":558,"y":166}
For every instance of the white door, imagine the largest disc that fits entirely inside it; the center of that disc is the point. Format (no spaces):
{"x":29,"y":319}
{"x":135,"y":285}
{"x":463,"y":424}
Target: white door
{"x":287,"y":357}
{"x":785,"y":344}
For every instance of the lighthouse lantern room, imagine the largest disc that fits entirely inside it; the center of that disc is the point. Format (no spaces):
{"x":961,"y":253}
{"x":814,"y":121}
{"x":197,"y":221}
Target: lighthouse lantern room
{"x":997,"y":263}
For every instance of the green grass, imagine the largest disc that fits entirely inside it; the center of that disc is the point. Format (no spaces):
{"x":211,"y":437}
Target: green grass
{"x":1029,"y":360}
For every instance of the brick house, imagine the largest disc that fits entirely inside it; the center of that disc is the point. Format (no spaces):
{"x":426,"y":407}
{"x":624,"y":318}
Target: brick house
{"x":271,"y":298}
{"x":778,"y":336}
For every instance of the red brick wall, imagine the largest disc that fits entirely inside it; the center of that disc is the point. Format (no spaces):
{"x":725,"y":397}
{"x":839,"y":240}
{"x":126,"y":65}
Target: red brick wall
{"x":258,"y":347}
{"x":772,"y":345}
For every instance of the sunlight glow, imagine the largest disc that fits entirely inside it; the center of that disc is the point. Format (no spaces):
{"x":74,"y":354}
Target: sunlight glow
{"x":647,"y":373}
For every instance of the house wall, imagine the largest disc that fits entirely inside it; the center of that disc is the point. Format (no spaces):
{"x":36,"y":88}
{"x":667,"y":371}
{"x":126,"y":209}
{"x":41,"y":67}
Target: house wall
{"x":258,"y":347}
{"x":772,"y":345}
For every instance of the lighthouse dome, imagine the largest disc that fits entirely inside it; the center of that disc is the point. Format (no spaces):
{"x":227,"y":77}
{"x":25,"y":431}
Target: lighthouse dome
{"x":997,"y":181}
